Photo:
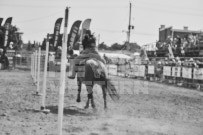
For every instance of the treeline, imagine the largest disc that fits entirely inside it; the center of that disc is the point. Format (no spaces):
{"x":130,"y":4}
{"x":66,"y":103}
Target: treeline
{"x":132,"y":47}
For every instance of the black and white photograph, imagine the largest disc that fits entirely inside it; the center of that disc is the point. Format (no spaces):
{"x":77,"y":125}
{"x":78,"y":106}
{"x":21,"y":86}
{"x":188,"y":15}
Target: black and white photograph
{"x":101,"y":67}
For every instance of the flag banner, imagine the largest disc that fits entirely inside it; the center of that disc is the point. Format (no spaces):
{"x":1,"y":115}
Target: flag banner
{"x":8,"y":22}
{"x":72,"y":36}
{"x":167,"y":71}
{"x":138,"y":70}
{"x":57,"y":28}
{"x":176,"y":71}
{"x":170,"y":52}
{"x":198,"y":73}
{"x":112,"y":69}
{"x":186,"y":72}
{"x":141,"y":70}
{"x":1,"y":20}
{"x":85,"y":26}
{"x":151,"y":69}
{"x":7,"y":25}
{"x":143,"y":54}
{"x":122,"y":68}
{"x":11,"y":53}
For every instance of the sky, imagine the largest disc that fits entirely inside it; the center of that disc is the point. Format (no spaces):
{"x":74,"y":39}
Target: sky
{"x":110,"y":18}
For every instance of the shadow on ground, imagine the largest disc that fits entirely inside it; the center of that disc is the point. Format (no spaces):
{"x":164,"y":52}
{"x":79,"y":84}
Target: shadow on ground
{"x":71,"y":110}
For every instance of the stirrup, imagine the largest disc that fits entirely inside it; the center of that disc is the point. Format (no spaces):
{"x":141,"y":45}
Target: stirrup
{"x":71,"y":77}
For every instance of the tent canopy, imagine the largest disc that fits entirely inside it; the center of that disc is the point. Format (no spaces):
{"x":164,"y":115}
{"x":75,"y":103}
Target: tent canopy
{"x":110,"y":55}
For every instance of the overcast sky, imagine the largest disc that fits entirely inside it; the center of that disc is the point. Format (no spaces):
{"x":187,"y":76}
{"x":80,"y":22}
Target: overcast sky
{"x":36,"y":18}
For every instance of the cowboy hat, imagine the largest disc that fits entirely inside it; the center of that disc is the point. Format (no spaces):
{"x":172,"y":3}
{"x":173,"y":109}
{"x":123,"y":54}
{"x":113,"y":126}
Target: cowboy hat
{"x":191,"y":59}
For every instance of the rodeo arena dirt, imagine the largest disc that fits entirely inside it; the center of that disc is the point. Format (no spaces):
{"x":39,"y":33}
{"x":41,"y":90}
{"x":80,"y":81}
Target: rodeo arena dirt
{"x":59,"y":90}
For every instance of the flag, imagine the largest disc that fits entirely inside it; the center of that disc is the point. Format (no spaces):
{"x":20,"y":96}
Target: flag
{"x":72,"y":36}
{"x":1,"y":34}
{"x":7,"y":25}
{"x":8,"y":21}
{"x":170,"y":52}
{"x":143,"y":54}
{"x":85,"y":26}
{"x":57,"y":28}
{"x":1,"y":20}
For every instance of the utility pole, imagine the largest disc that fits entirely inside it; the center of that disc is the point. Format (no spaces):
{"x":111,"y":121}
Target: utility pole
{"x":129,"y":28}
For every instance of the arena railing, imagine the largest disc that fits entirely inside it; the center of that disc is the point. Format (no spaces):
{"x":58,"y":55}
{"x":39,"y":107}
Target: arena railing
{"x":190,"y":77}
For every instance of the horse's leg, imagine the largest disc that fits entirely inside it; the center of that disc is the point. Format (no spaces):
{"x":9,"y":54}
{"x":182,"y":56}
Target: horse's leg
{"x":89,"y":95}
{"x":90,"y":91}
{"x":79,"y":90}
{"x":92,"y":101}
{"x":104,"y":96}
{"x":87,"y":103}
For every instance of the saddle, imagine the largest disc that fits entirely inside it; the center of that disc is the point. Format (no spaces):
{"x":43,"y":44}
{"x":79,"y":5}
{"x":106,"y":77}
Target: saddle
{"x":96,"y":65}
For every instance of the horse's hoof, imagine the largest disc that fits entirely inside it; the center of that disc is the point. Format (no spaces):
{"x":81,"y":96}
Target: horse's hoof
{"x":86,"y":107}
{"x":78,"y":100}
{"x":94,"y":109}
{"x":93,"y":106}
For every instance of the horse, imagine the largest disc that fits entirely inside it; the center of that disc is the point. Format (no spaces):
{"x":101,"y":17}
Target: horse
{"x":91,"y":72}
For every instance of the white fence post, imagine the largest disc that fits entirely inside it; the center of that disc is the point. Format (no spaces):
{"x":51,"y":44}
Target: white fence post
{"x":31,"y":66}
{"x":38,"y":70}
{"x":62,"y":75}
{"x":35,"y":67}
{"x":45,"y":77}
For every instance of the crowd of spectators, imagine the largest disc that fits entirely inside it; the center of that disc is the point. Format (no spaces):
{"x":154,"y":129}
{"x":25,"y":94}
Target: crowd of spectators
{"x":188,"y":62}
{"x":180,"y":44}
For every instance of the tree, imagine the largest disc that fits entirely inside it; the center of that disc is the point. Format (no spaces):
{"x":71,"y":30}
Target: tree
{"x":116,"y":46}
{"x":102,"y":46}
{"x":13,"y":36}
{"x":29,"y":47}
{"x":133,"y":47}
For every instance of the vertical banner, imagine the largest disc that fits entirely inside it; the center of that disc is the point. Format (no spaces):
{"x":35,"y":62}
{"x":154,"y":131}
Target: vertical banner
{"x":176,"y":71}
{"x":141,"y":70}
{"x":136,"y":70}
{"x":170,"y":52}
{"x":198,"y":73}
{"x":7,"y":26}
{"x":73,"y":33}
{"x":151,"y":69}
{"x":112,"y":69}
{"x":1,"y":20}
{"x":167,"y":71}
{"x":85,"y":26}
{"x":187,"y":72}
{"x":57,"y":28}
{"x":143,"y":54}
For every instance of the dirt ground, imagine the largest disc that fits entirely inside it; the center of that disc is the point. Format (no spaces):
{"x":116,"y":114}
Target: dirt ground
{"x":145,"y":108}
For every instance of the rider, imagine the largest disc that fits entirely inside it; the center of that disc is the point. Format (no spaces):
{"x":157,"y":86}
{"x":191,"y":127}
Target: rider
{"x":89,"y":46}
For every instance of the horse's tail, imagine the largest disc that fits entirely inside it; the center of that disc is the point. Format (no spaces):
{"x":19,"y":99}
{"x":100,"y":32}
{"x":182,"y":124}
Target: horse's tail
{"x":111,"y":89}
{"x":102,"y":76}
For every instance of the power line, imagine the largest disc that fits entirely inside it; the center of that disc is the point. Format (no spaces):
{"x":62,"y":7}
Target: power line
{"x":168,"y":11}
{"x":165,"y":6}
{"x":40,"y":18}
{"x":56,"y":6}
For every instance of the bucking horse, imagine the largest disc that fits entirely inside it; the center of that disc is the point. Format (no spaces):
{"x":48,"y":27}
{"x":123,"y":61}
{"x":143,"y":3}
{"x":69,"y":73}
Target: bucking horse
{"x":91,"y":72}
